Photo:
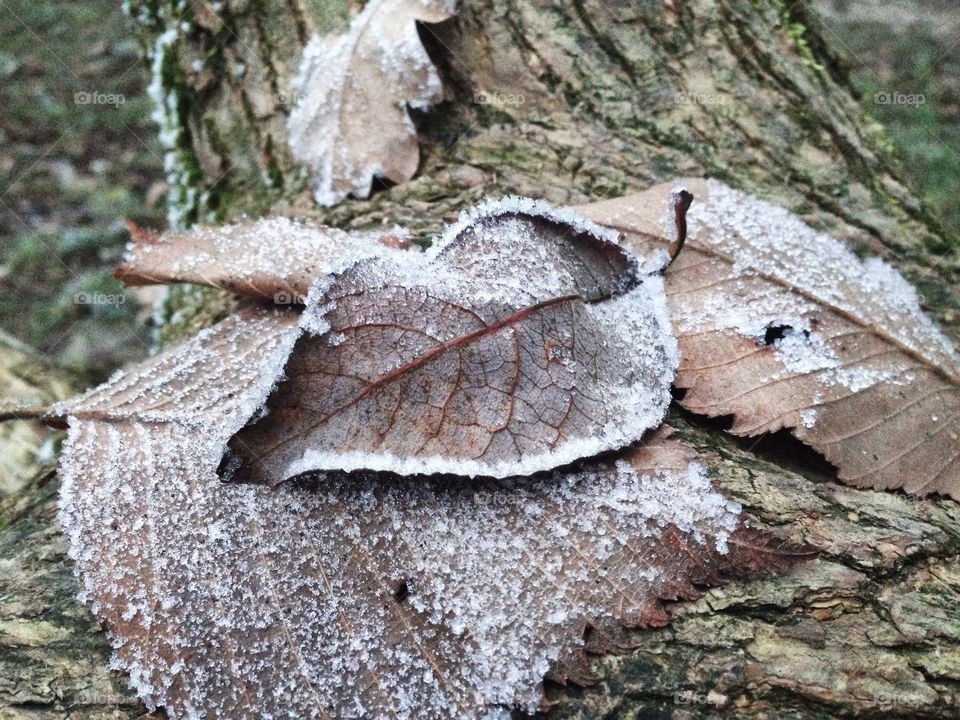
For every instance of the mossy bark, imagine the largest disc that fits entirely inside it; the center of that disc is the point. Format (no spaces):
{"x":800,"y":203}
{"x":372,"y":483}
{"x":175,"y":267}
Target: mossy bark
{"x":571,"y":101}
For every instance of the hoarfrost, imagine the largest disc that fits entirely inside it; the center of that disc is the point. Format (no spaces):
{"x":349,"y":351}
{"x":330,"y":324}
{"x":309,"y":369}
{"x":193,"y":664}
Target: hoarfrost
{"x":361,"y":595}
{"x":187,"y":386}
{"x":273,"y":258}
{"x":182,"y":196}
{"x":781,"y":326}
{"x":769,"y":241}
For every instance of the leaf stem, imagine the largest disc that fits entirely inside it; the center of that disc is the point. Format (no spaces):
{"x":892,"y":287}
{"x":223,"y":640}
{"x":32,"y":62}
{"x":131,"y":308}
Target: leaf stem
{"x":681,"y":203}
{"x":27,"y":412}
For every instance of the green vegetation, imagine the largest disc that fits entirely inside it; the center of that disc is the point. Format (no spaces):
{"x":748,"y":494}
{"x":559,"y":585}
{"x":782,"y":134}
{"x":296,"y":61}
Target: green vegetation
{"x":904,"y":59}
{"x":78,"y":153}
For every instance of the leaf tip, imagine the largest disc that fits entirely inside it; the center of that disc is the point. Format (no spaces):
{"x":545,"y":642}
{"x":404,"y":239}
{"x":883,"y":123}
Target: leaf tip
{"x":139,"y":235}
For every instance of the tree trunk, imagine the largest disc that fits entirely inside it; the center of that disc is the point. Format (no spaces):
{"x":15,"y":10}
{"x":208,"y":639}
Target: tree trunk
{"x":574,"y":100}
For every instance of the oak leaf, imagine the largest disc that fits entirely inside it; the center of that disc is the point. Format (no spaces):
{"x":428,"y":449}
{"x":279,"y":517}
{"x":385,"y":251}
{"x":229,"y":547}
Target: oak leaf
{"x":273,"y":258}
{"x":783,"y":327}
{"x":372,"y":73}
{"x":524,"y":339}
{"x":363,"y":595}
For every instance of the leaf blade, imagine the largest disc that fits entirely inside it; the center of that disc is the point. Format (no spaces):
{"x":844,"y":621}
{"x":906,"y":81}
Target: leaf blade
{"x":377,"y":68}
{"x":274,"y":259}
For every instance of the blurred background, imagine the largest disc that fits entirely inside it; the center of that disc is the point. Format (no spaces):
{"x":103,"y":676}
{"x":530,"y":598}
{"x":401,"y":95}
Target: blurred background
{"x":78,"y":154}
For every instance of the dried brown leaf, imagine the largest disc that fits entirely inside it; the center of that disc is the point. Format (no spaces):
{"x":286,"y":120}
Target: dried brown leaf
{"x":783,"y":327}
{"x":525,"y":339}
{"x":362,"y":596}
{"x":274,"y":258}
{"x":351,"y":122}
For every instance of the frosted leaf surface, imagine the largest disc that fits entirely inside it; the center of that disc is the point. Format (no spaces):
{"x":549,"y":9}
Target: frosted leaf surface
{"x":197,"y":380}
{"x":364,"y":596}
{"x":524,"y":339}
{"x":351,"y":122}
{"x":275,"y":258}
{"x":783,"y":326}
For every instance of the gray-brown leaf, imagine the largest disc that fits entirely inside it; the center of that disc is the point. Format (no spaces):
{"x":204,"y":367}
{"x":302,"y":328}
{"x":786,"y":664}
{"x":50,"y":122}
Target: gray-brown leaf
{"x":275,"y":259}
{"x":524,"y":340}
{"x":363,"y":596}
{"x":351,"y":122}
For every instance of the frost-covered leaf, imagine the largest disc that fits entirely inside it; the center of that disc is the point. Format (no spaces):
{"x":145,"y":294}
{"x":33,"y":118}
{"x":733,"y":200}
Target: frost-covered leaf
{"x":273,"y":258}
{"x":523,"y":340}
{"x":352,"y":122}
{"x":363,"y":596}
{"x":782,"y":326}
{"x":201,"y":378}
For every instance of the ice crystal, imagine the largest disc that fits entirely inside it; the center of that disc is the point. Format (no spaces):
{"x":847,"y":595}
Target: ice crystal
{"x":524,"y":340}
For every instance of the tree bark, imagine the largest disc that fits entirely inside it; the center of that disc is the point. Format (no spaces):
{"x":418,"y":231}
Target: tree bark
{"x":572,"y":101}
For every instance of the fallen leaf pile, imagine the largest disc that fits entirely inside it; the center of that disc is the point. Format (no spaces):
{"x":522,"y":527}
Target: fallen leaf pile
{"x":415,"y":484}
{"x":448,"y":482}
{"x":371,"y":595}
{"x":526,"y":339}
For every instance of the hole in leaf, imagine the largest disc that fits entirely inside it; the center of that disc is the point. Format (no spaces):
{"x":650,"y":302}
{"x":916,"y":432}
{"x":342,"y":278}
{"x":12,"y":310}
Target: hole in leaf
{"x":401,"y":589}
{"x":779,"y":332}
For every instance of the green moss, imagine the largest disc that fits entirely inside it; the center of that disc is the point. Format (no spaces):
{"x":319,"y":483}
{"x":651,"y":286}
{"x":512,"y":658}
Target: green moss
{"x":189,"y":308}
{"x":190,"y":176}
{"x":797,"y":32}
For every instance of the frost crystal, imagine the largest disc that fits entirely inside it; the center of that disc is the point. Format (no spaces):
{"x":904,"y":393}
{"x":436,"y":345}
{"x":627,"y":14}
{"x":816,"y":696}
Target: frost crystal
{"x":273,"y":258}
{"x":182,"y":198}
{"x":767,"y":240}
{"x":781,"y":326}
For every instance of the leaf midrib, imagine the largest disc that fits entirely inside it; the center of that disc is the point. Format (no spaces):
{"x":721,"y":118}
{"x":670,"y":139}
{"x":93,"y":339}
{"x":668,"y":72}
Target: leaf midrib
{"x":421,"y":360}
